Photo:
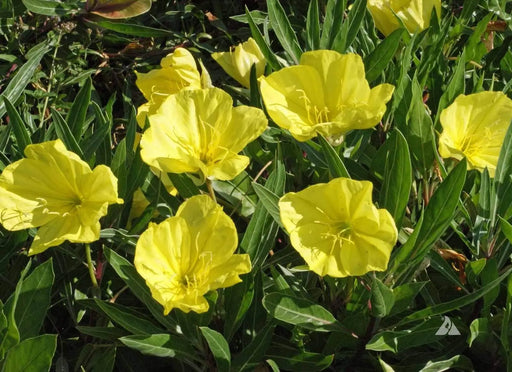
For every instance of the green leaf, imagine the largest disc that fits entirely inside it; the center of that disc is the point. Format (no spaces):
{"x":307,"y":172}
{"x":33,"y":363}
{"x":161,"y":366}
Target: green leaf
{"x":34,"y":300}
{"x":378,"y":60}
{"x":64,"y":133}
{"x":46,"y":7}
{"x":128,"y":319}
{"x":137,"y":285}
{"x":382,"y":299}
{"x":78,"y":111}
{"x":11,"y":336}
{"x":184,"y":185}
{"x":300,"y":312}
{"x":480,"y":329}
{"x":24,"y":75}
{"x":283,"y":29}
{"x":100,"y":135}
{"x":402,"y":340}
{"x":397,"y":178}
{"x":18,"y":127}
{"x":269,"y":201}
{"x":503,"y":199}
{"x":437,"y":217}
{"x":404,"y":296}
{"x":332,"y":22}
{"x":336,"y":166}
{"x":456,"y":363}
{"x":253,"y":353}
{"x":457,"y":303}
{"x":161,"y":345}
{"x":237,"y":300}
{"x":456,"y":85}
{"x":264,"y":47}
{"x":31,"y":355}
{"x":219,"y":348}
{"x":292,"y":359}
{"x":116,"y":9}
{"x":313,"y":26}
{"x":260,"y":235}
{"x":419,"y":130}
{"x":104,"y":333}
{"x":133,"y":29}
{"x":355,"y":19}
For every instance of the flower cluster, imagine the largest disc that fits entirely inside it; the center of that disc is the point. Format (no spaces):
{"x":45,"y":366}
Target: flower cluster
{"x":190,"y":127}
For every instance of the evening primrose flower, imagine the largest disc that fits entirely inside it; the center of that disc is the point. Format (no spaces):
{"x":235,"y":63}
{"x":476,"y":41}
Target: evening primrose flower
{"x":414,"y":14}
{"x":179,"y":71}
{"x":327,"y":93}
{"x":238,"y":61}
{"x":200,"y":132}
{"x":190,"y":254}
{"x":337,"y":230}
{"x":56,"y":191}
{"x":474,"y":127}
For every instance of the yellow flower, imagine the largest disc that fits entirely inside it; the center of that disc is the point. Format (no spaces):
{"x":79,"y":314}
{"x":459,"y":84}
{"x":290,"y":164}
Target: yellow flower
{"x":337,"y":230}
{"x":199,"y":131}
{"x":474,"y":127}
{"x":190,"y":254}
{"x":238,"y":62}
{"x":414,"y":14}
{"x":179,"y":71}
{"x":53,"y":189}
{"x":327,"y":93}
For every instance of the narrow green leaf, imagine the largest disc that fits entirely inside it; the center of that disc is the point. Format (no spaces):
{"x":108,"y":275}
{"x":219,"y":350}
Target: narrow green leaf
{"x":283,"y":29}
{"x":129,"y":275}
{"x":313,"y":26}
{"x":78,"y":111}
{"x":264,"y":47}
{"x":161,"y":345}
{"x":332,"y":22}
{"x":269,"y":201}
{"x":128,"y":319}
{"x":34,"y":300}
{"x":24,"y":75}
{"x":31,"y":355}
{"x":262,"y":230}
{"x":18,"y":127}
{"x":457,"y":303}
{"x":253,"y":353}
{"x":379,"y":59}
{"x":300,"y":312}
{"x":64,"y":133}
{"x":184,"y":185}
{"x":456,"y":363}
{"x":355,"y":19}
{"x":336,"y":166}
{"x":293,"y":359}
{"x":397,"y":179}
{"x":456,"y":85}
{"x":101,"y":133}
{"x":237,"y":300}
{"x":104,"y":333}
{"x":132,"y":29}
{"x":219,"y":348}
{"x":503,"y":199}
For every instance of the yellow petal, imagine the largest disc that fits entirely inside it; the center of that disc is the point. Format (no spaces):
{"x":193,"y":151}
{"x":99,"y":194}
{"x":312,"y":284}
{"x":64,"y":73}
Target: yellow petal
{"x":55,"y":190}
{"x":336,"y":228}
{"x":238,"y":62}
{"x":474,"y":126}
{"x":205,"y":135}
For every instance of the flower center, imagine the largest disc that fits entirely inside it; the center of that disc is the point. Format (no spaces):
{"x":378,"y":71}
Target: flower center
{"x":315,"y":114}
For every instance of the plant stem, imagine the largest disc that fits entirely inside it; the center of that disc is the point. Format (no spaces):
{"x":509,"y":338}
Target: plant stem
{"x":92,"y":272}
{"x":211,"y":190}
